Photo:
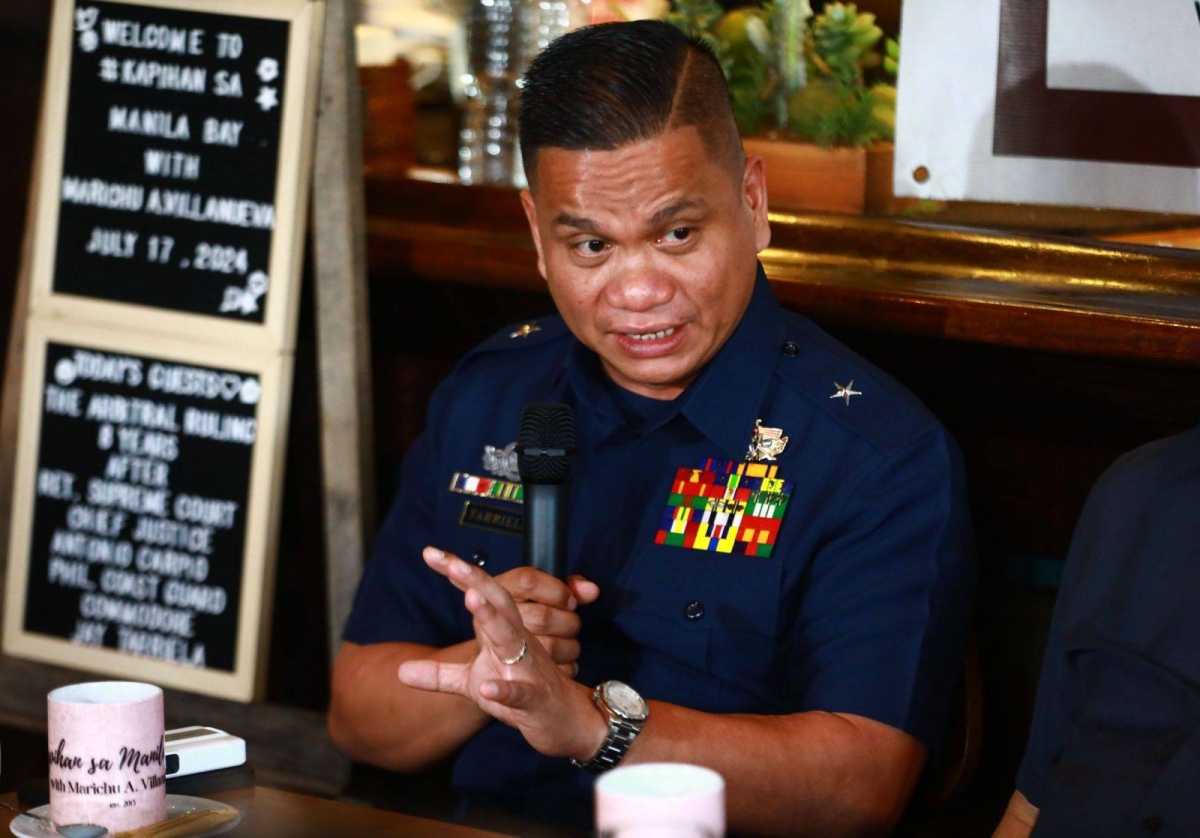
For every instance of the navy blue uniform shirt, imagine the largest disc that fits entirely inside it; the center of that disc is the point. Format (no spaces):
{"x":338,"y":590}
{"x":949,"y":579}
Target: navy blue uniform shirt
{"x":860,"y":605}
{"x":1115,"y":743}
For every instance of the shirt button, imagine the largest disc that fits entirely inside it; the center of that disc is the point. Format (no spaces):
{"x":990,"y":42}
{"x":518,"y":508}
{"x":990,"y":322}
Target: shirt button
{"x":694,"y":610}
{"x":790,"y":349}
{"x":1153,"y":824}
{"x":479,"y":557}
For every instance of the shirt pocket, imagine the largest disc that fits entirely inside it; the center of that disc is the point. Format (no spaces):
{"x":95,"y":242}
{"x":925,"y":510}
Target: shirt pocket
{"x":712,"y":616}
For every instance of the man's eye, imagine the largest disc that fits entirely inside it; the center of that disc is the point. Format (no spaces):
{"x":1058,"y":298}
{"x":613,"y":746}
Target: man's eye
{"x":591,"y":247}
{"x":678,"y":235}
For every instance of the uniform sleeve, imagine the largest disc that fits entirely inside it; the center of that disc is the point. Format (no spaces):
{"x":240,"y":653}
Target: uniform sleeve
{"x":400,"y":598}
{"x":1110,"y":708}
{"x":884,"y":620}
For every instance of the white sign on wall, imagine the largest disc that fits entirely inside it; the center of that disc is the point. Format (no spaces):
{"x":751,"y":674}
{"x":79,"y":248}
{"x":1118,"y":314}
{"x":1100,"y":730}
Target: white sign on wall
{"x":1075,"y":102}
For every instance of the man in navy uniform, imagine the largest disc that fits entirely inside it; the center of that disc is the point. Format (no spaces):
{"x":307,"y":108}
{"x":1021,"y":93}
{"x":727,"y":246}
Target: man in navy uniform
{"x":1115,"y":744}
{"x":769,"y":546}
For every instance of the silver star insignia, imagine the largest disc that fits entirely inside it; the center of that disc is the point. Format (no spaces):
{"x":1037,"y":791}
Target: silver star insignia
{"x":845,"y":392}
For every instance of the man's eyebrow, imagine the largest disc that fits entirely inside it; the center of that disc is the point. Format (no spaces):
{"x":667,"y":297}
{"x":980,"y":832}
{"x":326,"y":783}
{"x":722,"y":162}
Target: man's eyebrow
{"x":671,"y":210}
{"x":565,"y":219}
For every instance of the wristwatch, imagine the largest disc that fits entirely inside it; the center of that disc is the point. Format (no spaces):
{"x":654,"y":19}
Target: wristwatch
{"x":626,"y":712}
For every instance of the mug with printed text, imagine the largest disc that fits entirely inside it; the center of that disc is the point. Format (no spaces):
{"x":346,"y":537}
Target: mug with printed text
{"x":107,"y":756}
{"x":660,"y":800}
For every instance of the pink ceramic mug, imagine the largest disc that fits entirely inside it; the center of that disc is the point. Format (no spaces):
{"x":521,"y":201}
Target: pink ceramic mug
{"x":107,"y":761}
{"x":661,"y":799}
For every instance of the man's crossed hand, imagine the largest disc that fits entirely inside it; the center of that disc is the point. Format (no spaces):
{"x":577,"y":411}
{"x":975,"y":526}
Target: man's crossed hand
{"x":523,"y":609}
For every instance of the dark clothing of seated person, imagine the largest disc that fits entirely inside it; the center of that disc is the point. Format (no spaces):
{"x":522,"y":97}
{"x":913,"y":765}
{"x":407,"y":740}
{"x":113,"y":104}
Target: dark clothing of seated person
{"x":768,"y":537}
{"x":1114,"y":749}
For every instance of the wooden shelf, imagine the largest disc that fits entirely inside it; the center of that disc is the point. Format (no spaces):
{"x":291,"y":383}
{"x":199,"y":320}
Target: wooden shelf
{"x":1102,"y":299}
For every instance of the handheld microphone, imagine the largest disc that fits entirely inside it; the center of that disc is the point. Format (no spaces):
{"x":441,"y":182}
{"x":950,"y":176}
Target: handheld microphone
{"x":545,"y":451}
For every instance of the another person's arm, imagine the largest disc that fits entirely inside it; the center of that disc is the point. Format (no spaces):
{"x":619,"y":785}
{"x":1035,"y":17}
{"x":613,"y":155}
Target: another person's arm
{"x":1018,"y":819}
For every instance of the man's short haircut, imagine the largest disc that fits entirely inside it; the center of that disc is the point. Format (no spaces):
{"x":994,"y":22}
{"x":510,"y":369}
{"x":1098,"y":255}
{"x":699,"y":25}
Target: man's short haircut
{"x":605,"y":86}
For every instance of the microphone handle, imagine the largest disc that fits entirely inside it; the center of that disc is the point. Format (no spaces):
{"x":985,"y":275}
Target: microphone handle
{"x":546,"y":527}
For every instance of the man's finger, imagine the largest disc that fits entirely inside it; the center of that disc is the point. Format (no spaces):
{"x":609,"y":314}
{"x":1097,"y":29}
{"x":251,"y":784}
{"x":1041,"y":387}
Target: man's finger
{"x":528,"y":584}
{"x":435,"y":676}
{"x":514,"y":694}
{"x":561,"y":650}
{"x":542,"y":619}
{"x":494,"y":629}
{"x":584,"y":590}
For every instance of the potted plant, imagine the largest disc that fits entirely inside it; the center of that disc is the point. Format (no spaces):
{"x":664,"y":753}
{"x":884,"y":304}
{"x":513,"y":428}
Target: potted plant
{"x":813,"y":94}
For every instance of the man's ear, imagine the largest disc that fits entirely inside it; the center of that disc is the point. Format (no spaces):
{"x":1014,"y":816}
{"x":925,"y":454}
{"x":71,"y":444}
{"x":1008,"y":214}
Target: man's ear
{"x":531,"y":217}
{"x":754,"y":193}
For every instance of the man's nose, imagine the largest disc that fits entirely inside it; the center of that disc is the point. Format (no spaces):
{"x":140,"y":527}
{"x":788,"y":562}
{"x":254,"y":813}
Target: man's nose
{"x":639,"y":286}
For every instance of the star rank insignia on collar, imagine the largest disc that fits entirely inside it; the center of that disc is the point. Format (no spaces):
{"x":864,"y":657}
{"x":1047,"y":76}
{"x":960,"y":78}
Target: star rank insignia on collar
{"x":765,"y":443}
{"x":845,"y":392}
{"x":502,"y":462}
{"x":525,"y":330}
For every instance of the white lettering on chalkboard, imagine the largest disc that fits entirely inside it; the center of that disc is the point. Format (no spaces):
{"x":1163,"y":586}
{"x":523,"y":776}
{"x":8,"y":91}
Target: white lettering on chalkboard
{"x":102,"y":522}
{"x":88,"y":633}
{"x":63,"y":401}
{"x":227,"y":84}
{"x":176,"y":164}
{"x":92,"y":549}
{"x":141,"y":470}
{"x":229,"y":45}
{"x":226,"y":132}
{"x":165,"y":124}
{"x":151,"y":645}
{"x":233,"y":211}
{"x":55,"y":483}
{"x":69,"y":574}
{"x":209,"y":424}
{"x":121,"y":410}
{"x":212,"y":513}
{"x":108,"y":242}
{"x":207,"y":599}
{"x":193,"y":381}
{"x":153,"y":74}
{"x":95,"y":366}
{"x":117,"y":495}
{"x":94,"y":192}
{"x":167,"y":533}
{"x":172,"y":563}
{"x":124,"y":33}
{"x":140,"y":586}
{"x":161,"y":446}
{"x":139,"y":615}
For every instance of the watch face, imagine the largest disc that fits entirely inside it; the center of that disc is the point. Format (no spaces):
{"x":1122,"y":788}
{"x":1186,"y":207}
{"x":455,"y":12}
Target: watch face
{"x":622,"y":698}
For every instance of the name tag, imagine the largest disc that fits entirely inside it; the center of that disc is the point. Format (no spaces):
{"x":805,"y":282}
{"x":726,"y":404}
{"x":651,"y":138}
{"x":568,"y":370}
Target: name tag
{"x":725,"y":505}
{"x":486,"y":516}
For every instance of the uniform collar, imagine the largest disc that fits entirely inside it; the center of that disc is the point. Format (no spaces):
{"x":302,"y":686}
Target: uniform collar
{"x":727,"y":396}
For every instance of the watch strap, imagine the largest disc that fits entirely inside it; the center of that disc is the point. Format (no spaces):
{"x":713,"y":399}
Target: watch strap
{"x":621,"y":733}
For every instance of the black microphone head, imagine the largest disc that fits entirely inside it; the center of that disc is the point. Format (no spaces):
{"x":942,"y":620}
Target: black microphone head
{"x":546,"y":444}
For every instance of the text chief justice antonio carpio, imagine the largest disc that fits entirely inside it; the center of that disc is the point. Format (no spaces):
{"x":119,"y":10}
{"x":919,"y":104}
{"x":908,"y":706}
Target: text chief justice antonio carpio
{"x":770,"y":553}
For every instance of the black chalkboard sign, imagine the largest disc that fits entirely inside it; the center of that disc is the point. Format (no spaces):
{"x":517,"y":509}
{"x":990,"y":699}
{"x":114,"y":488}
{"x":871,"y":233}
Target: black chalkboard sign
{"x":170,"y":159}
{"x":140,"y":505}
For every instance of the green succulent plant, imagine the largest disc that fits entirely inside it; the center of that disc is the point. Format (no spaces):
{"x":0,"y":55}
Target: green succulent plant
{"x":820,"y":78}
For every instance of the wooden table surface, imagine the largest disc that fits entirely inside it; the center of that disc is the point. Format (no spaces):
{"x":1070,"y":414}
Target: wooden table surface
{"x":269,"y":813}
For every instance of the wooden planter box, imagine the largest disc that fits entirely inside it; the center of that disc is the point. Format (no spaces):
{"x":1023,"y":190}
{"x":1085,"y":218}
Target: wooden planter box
{"x":805,"y":178}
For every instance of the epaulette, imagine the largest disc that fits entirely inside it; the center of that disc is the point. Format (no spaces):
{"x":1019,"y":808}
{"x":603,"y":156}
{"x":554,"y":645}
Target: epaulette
{"x":853,"y":392}
{"x":523,"y":334}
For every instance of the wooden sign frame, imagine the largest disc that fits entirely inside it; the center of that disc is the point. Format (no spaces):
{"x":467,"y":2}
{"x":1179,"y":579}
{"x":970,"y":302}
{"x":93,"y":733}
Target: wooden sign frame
{"x":264,"y":501}
{"x":293,"y":175}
